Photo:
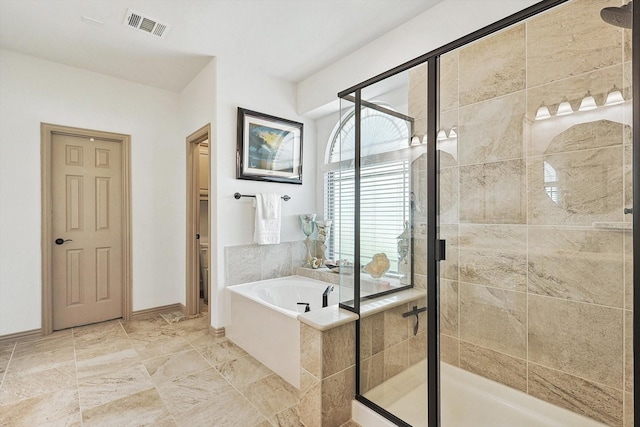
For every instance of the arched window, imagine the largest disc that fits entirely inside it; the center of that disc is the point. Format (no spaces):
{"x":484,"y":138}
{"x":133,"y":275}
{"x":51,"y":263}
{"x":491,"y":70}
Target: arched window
{"x":384,"y":184}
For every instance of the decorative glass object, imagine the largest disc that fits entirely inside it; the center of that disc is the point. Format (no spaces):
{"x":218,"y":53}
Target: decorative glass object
{"x":307,"y":221}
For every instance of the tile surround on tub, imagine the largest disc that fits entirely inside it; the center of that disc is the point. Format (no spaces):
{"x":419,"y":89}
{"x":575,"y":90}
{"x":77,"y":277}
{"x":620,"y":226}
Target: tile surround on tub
{"x":250,"y":263}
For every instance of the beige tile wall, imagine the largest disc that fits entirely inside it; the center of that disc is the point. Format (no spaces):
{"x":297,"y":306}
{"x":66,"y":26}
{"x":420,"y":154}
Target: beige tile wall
{"x":388,"y":345}
{"x":532,"y":295}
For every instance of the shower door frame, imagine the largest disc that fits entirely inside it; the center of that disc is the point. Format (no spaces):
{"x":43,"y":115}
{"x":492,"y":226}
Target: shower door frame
{"x":432,"y":60}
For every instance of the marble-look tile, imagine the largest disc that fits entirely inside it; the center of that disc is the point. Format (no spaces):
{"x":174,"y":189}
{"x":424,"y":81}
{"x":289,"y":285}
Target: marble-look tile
{"x":19,"y":387}
{"x":243,"y":371}
{"x":450,"y":350}
{"x":102,"y":364}
{"x":98,"y":390}
{"x":494,"y":319}
{"x":196,"y":331}
{"x":627,"y":80}
{"x":628,"y":410}
{"x":184,"y":393}
{"x":628,"y":270}
{"x":593,"y":400}
{"x":576,"y":188}
{"x":495,"y":366}
{"x":366,"y":337}
{"x":371,"y":372}
{"x":276,"y":261}
{"x":337,"y":393}
{"x":174,"y":366}
{"x":493,"y":193}
{"x":584,"y":136}
{"x":271,"y":395}
{"x":628,"y":179}
{"x":449,"y":320}
{"x":418,"y":98}
{"x":449,"y":181}
{"x":581,"y":339}
{"x":492,"y":130}
{"x":449,"y":80}
{"x":577,"y":264}
{"x":221,"y":352}
{"x":561,"y":44}
{"x":59,"y":408}
{"x":243,"y":264}
{"x":449,"y":268}
{"x":298,"y":254}
{"x":338,"y":349}
{"x":505,"y":73}
{"x":98,"y":333}
{"x":447,"y":148}
{"x":395,"y":326}
{"x":494,"y":255}
{"x":351,"y":423}
{"x":396,"y":359}
{"x":144,"y":408}
{"x":598,"y":82}
{"x":628,"y":351}
{"x":227,"y":409}
{"x":311,"y":350}
{"x":310,"y":405}
{"x":37,"y":362}
{"x":417,"y":348}
{"x":145,"y":326}
{"x":290,"y":417}
{"x":6,"y":351}
{"x":151,"y":346}
{"x":40,"y":346}
{"x":113,"y":345}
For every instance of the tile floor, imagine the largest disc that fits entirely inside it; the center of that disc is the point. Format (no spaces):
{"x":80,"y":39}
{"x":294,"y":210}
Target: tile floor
{"x":167,"y":370}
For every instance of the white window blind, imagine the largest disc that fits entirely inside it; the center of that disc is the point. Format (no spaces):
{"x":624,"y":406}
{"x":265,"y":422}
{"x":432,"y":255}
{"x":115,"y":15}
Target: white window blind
{"x":384,"y":190}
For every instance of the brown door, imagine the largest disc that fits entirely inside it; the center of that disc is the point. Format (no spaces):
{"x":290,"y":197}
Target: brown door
{"x":87,"y":223}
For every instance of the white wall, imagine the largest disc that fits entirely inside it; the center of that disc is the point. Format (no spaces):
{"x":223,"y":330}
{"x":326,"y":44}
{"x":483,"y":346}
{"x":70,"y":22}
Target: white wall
{"x":239,"y":86}
{"x":443,"y":23}
{"x":34,"y":91}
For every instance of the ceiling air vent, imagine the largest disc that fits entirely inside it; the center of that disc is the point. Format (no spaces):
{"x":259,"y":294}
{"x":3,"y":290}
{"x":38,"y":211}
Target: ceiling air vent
{"x":144,"y":23}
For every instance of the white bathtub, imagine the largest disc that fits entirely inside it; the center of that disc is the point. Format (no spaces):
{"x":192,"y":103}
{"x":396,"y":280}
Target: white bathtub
{"x":263,"y":319}
{"x":467,"y":400}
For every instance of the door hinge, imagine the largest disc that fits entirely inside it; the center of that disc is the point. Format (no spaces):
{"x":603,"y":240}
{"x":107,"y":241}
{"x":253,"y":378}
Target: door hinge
{"x":441,"y":250}
{"x":198,"y":236}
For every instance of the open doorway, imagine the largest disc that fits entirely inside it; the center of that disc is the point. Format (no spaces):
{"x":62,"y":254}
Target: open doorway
{"x":198,"y":222}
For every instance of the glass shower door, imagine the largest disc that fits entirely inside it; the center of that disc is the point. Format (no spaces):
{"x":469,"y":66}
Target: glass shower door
{"x":535,"y":174}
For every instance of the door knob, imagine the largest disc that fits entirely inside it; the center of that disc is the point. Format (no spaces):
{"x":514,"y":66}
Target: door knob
{"x":60,"y":241}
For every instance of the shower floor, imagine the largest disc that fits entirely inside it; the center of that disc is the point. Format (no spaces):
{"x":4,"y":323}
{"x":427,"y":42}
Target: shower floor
{"x":469,"y":399}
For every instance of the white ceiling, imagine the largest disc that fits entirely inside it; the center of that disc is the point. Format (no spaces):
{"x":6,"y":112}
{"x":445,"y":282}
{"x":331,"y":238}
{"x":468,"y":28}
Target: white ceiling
{"x":288,"y":39}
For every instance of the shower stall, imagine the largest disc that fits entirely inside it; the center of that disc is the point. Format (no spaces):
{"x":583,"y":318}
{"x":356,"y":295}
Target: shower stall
{"x":496,"y":176}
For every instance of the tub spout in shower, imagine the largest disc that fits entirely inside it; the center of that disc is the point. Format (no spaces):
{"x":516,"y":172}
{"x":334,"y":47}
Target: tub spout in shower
{"x":325,"y":296}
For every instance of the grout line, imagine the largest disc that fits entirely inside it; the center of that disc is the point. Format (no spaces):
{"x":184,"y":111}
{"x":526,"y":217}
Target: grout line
{"x":4,"y":374}
{"x":75,"y":363}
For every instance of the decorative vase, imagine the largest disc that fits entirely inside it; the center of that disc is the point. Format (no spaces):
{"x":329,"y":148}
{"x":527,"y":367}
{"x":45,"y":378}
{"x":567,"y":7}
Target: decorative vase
{"x":307,"y":221}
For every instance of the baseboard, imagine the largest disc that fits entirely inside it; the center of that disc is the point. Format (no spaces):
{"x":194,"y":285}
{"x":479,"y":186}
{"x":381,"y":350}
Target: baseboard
{"x":149,"y":312}
{"x":19,"y":336}
{"x":216,"y":332}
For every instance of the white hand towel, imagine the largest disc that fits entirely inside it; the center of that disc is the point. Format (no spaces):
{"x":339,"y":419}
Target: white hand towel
{"x":267,"y":224}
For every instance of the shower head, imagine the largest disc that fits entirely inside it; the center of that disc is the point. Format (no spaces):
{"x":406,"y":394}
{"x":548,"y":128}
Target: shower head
{"x":619,"y":16}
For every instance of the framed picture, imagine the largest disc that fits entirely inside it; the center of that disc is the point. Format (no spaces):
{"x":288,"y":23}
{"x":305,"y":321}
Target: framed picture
{"x":269,"y":148}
